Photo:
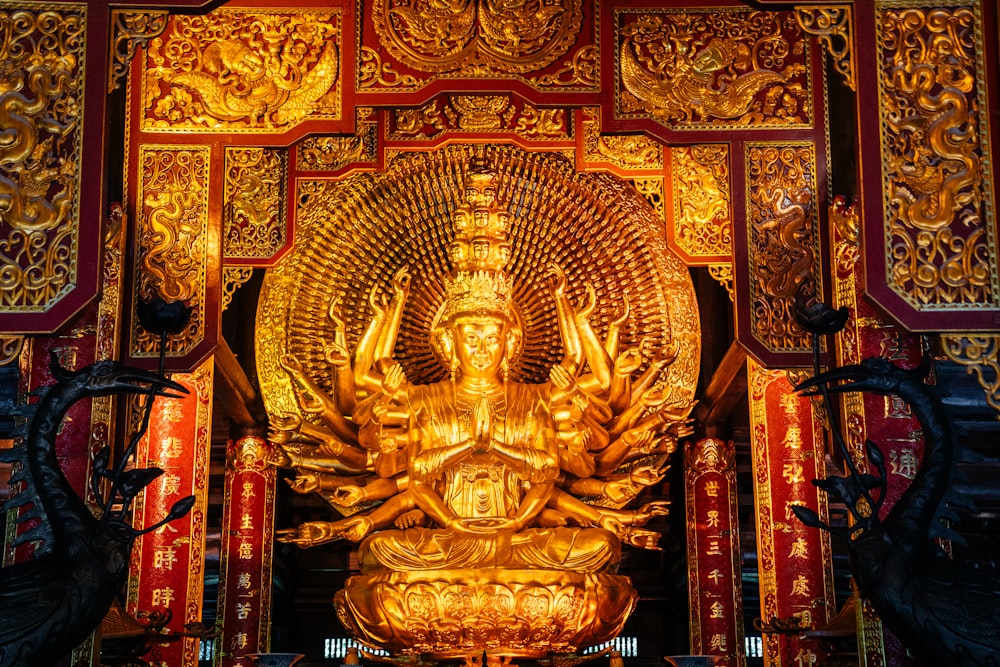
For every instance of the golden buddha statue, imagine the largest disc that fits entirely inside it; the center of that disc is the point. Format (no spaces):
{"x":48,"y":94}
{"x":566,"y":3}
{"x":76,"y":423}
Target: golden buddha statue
{"x":467,"y":494}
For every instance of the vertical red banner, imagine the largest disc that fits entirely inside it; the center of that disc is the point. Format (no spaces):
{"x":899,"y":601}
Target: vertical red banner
{"x":869,"y":334}
{"x":167,"y":569}
{"x":247,"y":549}
{"x":794,"y":561}
{"x":715,"y":583}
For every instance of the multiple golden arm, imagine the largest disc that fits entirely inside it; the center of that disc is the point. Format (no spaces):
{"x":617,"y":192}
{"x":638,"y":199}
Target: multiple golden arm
{"x":610,"y":436}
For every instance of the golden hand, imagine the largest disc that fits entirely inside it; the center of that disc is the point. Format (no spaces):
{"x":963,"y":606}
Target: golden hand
{"x":337,"y":355}
{"x":482,"y":425}
{"x":628,"y":361}
{"x":335,"y":315}
{"x":349,"y":495}
{"x":401,"y":283}
{"x":304,"y":482}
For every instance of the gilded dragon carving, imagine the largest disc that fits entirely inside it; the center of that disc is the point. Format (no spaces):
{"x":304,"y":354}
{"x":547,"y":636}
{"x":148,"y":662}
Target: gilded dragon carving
{"x":678,"y":70}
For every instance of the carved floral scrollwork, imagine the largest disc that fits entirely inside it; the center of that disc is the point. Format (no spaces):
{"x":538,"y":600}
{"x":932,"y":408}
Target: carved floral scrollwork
{"x":254,"y":208}
{"x":781,"y":235}
{"x":172,"y":232}
{"x":507,"y":37}
{"x":625,"y":151}
{"x":41,"y":52}
{"x":941,"y":250}
{"x":242,"y":70}
{"x":131,"y":31}
{"x":703,"y":226}
{"x":980,"y":354}
{"x":717,"y":67}
{"x":834,"y":26}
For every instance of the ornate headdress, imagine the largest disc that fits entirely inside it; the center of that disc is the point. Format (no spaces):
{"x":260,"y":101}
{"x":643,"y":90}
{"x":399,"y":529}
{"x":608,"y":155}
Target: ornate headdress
{"x":478,"y":284}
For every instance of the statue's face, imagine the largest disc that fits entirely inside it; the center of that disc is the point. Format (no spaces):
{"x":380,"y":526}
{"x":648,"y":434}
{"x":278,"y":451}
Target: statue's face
{"x":480,"y":345}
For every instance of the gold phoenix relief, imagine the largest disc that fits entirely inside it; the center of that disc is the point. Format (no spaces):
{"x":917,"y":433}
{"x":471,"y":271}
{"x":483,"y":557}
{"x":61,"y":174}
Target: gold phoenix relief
{"x":254,"y":206}
{"x":936,"y":158}
{"x":480,"y":113}
{"x":781,"y":212}
{"x":717,"y":68}
{"x":477,"y":36}
{"x":703,"y":225}
{"x":232,"y":71}
{"x":42,"y":49}
{"x":172,"y":235}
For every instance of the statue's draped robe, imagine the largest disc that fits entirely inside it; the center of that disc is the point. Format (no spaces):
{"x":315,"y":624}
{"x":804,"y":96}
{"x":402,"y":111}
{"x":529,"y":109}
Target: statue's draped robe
{"x":483,"y":488}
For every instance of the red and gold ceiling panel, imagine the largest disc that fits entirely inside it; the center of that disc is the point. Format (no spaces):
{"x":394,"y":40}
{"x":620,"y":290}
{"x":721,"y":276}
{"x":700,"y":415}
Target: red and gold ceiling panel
{"x":408,"y":46}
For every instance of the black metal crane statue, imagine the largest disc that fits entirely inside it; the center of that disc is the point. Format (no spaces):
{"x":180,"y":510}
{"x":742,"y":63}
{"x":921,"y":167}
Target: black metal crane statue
{"x":945,"y":612}
{"x":48,"y":605}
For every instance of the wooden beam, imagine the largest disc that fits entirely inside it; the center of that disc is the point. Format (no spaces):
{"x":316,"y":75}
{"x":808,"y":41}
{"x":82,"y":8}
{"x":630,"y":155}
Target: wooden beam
{"x":237,"y":395}
{"x":727,"y":387}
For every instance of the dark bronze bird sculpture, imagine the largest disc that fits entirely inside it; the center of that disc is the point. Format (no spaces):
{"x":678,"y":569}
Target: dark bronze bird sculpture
{"x":48,"y":605}
{"x":944,"y":611}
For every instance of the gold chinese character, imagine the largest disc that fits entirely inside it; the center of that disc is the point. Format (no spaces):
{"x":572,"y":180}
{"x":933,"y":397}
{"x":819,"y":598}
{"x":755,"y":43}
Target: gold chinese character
{"x":162,"y":597}
{"x":173,"y":448}
{"x":800,"y":549}
{"x":246,"y":521}
{"x":711,"y":488}
{"x":240,"y":640}
{"x":243,"y":610}
{"x":243,"y":580}
{"x":715,"y":575}
{"x":171,"y":483}
{"x":793,"y":438}
{"x":713,"y":518}
{"x":164,"y":558}
{"x":793,"y":473}
{"x":248,"y":491}
{"x":800,"y":585}
{"x":789,"y":504}
{"x":717,"y":610}
{"x":805,"y":658}
{"x":246,"y":550}
{"x":790,"y":403}
{"x":904,"y":462}
{"x":713,"y":548}
{"x":718,"y":643}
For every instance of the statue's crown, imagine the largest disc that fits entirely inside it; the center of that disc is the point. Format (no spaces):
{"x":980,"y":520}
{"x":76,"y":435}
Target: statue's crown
{"x":480,"y":250}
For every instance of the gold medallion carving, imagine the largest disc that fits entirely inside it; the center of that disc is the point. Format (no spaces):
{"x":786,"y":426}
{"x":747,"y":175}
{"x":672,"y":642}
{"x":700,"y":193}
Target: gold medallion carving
{"x":939,"y":199}
{"x":41,"y":102}
{"x":254,"y":203}
{"x":172,"y":228}
{"x":703,"y":225}
{"x":717,"y":68}
{"x":479,"y":357}
{"x":781,"y":219}
{"x":471,"y":36}
{"x":242,"y":71}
